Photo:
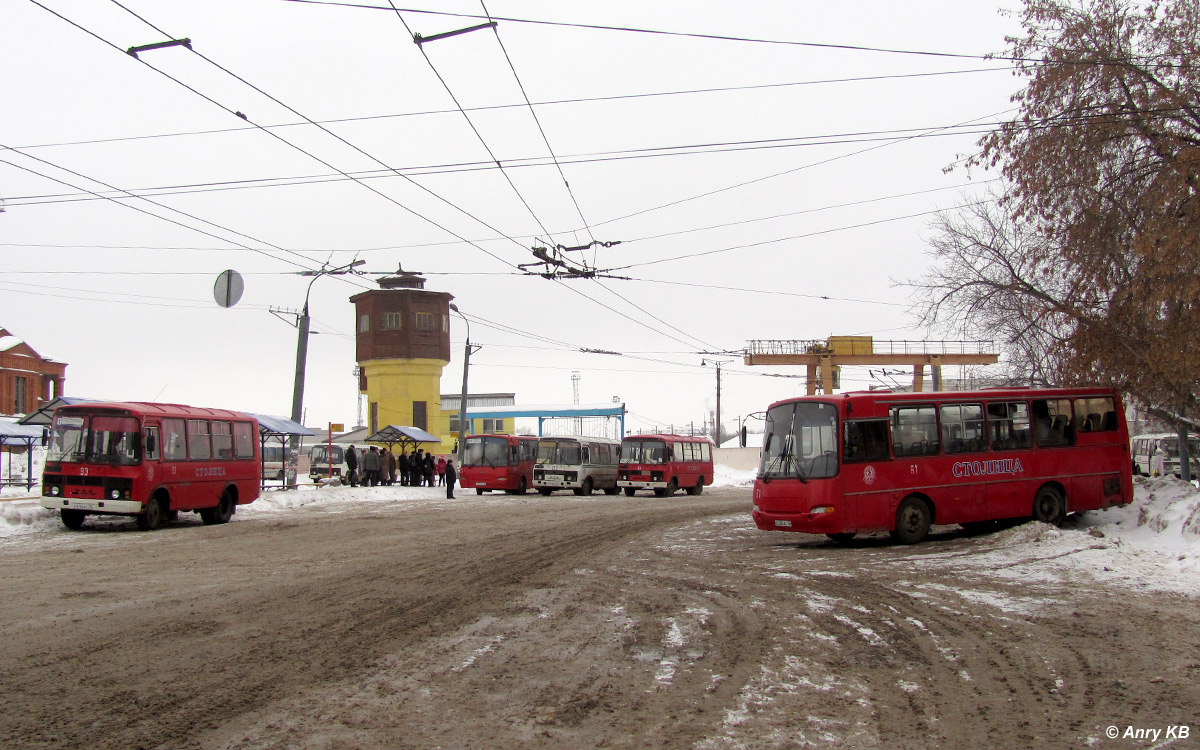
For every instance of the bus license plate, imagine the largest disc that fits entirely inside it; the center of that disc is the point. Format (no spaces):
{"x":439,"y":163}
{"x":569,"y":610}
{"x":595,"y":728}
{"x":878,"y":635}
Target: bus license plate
{"x":83,"y":506}
{"x":785,"y":524}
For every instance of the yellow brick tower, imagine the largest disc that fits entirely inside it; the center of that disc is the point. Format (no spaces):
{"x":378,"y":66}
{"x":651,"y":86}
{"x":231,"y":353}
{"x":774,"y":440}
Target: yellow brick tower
{"x":403,"y":342}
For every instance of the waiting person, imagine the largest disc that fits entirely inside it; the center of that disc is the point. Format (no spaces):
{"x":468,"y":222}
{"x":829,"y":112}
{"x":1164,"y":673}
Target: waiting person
{"x":1158,"y":462}
{"x":352,"y":466}
{"x":402,"y":467}
{"x":430,"y":468}
{"x":441,"y":471}
{"x":370,"y":467}
{"x":451,"y":478}
{"x":385,"y":467}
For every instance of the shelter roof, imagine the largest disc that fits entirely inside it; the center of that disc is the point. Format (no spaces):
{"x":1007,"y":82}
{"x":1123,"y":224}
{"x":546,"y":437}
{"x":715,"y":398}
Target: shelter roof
{"x":44,"y":415}
{"x":547,"y":410}
{"x":402,"y":434}
{"x":272,"y":426}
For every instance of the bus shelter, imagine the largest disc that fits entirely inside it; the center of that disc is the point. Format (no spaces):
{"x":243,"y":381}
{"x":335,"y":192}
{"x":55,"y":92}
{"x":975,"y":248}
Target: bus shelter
{"x":19,"y":438}
{"x":406,"y":437}
{"x":279,"y":436}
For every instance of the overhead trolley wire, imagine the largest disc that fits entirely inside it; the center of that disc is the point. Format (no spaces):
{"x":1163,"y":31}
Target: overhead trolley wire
{"x":326,"y":131}
{"x":474,"y":129}
{"x":545,"y":103}
{"x":538,"y":122}
{"x":160,"y":205}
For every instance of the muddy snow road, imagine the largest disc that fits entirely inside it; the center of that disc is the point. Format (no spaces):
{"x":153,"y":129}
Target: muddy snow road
{"x":575,"y":622}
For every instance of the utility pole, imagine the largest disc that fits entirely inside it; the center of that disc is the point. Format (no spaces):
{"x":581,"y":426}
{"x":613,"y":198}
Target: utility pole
{"x":302,"y":346}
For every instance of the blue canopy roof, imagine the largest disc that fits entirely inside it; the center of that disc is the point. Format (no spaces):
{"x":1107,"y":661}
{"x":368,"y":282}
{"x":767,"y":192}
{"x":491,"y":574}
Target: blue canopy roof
{"x":272,"y":426}
{"x":403,"y":434}
{"x":45,"y":414}
{"x":12,"y":433}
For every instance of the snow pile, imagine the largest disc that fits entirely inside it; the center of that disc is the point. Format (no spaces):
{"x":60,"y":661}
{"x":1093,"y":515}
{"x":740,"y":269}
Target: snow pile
{"x":1164,"y":518}
{"x":723,"y":476}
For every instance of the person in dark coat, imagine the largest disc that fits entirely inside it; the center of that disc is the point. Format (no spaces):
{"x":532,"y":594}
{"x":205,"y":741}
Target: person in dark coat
{"x":402,"y":467}
{"x":451,"y":477}
{"x":370,"y":466}
{"x":352,"y":466}
{"x":430,"y":468}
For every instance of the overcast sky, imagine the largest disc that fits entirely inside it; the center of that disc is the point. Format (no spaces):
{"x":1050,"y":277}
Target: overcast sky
{"x":773,"y":186}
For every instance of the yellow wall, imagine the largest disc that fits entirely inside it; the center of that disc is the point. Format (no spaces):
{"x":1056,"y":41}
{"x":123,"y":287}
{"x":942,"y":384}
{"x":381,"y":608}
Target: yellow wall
{"x":395,"y":384}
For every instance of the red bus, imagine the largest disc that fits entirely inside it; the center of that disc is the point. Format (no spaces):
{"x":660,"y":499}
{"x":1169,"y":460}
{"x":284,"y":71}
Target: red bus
{"x":900,"y":462}
{"x":150,"y":461}
{"x":664,"y":463}
{"x":498,"y":462}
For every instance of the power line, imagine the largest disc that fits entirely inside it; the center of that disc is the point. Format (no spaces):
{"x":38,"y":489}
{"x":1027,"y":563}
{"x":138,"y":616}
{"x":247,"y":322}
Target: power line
{"x":471,"y":123}
{"x":538,"y":122}
{"x":544,"y":103}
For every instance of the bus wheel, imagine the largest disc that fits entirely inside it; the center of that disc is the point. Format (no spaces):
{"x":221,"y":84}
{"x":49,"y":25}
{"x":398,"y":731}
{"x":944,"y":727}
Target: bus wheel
{"x":586,"y":489}
{"x":545,"y":490}
{"x":912,"y":521}
{"x":220,"y":514}
{"x":152,"y":517}
{"x":612,"y":490}
{"x":629,"y":491}
{"x":478,"y":490}
{"x":1049,"y":506}
{"x":842,"y":538}
{"x":522,"y":487}
{"x":72,"y":519}
{"x":699,"y":488}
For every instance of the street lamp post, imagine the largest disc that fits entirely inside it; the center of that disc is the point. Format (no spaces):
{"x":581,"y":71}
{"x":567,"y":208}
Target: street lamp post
{"x":462,"y":403}
{"x":302,"y":341}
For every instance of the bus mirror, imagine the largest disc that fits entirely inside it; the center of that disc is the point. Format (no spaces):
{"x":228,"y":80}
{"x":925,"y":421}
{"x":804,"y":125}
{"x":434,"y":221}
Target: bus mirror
{"x":150,"y":448}
{"x":742,"y":437}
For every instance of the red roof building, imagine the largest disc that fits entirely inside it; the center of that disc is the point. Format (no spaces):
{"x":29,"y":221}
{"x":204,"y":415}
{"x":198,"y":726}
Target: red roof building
{"x":27,"y":379}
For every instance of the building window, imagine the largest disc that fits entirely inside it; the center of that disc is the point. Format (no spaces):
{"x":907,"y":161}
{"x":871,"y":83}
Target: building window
{"x":390,"y":321}
{"x":493,"y":425}
{"x":425,"y":321}
{"x":419,"y":420}
{"x":19,"y":394}
{"x":364,"y":324}
{"x":446,"y":323}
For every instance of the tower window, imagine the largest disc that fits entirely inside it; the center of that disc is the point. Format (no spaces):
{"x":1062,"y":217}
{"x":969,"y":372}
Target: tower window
{"x":364,"y":324}
{"x":390,"y":321}
{"x":425,"y":321}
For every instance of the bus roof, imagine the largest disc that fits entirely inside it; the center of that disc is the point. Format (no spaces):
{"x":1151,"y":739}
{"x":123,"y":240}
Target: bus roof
{"x":986,"y":394}
{"x":148,"y":409}
{"x":669,"y":436}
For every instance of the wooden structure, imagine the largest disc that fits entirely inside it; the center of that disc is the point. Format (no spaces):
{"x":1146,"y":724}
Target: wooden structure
{"x":824,"y":358}
{"x":27,"y":379}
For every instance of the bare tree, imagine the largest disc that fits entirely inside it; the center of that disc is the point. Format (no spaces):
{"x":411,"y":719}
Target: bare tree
{"x":1089,"y":264}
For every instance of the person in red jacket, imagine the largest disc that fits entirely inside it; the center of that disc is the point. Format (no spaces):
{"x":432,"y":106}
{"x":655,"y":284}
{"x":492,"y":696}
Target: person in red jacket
{"x":441,"y":471}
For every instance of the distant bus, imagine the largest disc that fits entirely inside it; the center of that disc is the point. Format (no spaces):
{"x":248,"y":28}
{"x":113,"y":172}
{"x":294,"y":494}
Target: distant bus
{"x":664,"y":464}
{"x":900,"y":462}
{"x":580,"y":464}
{"x":498,"y":462}
{"x":150,"y":461}
{"x":319,"y":459}
{"x":272,"y":462}
{"x":1143,"y":448}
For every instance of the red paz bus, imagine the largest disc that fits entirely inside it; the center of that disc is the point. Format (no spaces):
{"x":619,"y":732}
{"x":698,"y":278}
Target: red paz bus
{"x":900,"y":462}
{"x":150,"y":461}
{"x":664,"y":463}
{"x":498,"y":462}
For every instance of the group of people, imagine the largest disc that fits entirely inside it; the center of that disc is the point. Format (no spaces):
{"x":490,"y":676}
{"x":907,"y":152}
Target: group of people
{"x":379,"y":466}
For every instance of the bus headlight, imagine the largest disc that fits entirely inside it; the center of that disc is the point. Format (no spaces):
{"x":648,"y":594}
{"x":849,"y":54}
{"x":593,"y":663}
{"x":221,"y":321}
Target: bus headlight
{"x":55,"y":490}
{"x":822,"y":509}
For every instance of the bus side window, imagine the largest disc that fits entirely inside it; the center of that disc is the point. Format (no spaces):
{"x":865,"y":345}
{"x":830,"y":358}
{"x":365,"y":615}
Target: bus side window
{"x":151,"y":444}
{"x":174,"y":448}
{"x":865,"y":440}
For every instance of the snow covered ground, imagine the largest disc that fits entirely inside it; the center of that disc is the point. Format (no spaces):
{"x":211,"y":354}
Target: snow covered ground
{"x":1153,"y":543}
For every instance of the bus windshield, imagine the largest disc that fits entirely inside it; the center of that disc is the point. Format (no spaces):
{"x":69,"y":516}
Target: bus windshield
{"x":320,"y":454}
{"x":97,"y":439}
{"x":486,"y":451}
{"x":559,"y":452}
{"x":800,"y":441}
{"x":644,"y":452}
